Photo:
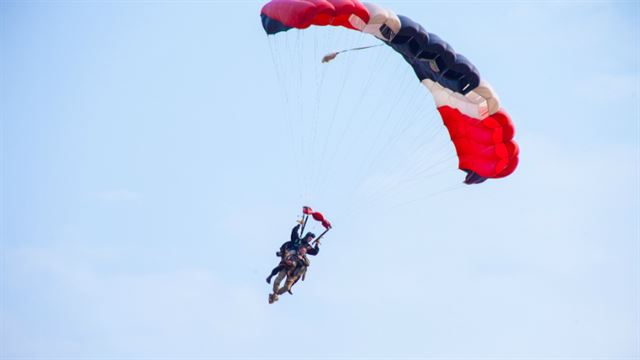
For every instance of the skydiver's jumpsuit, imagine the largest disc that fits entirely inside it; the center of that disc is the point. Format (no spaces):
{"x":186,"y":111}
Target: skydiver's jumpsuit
{"x":295,"y":270}
{"x":286,"y":249}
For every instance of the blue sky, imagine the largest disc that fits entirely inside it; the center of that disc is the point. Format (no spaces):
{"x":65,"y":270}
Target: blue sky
{"x":153,"y":160}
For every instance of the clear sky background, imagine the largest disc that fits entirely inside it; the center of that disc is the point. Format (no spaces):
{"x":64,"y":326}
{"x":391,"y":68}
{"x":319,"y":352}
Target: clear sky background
{"x":156,"y":154}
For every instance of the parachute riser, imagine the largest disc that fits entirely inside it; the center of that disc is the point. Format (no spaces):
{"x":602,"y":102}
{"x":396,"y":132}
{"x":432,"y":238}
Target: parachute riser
{"x":305,"y":217}
{"x":321,"y":235}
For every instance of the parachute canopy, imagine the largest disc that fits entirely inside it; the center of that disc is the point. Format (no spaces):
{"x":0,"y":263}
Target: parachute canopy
{"x":481,"y":131}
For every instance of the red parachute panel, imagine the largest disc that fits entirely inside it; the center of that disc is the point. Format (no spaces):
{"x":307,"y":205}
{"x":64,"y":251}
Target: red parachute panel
{"x":485,"y":147}
{"x":303,"y":13}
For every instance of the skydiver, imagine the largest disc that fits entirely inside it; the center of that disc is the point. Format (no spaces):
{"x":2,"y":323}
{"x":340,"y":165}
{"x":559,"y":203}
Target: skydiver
{"x":300,"y":270}
{"x":293,"y":266}
{"x":289,"y":247}
{"x":302,"y":251}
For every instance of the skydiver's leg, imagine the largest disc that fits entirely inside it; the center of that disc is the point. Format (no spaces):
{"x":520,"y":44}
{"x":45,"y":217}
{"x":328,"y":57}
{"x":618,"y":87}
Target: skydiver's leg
{"x":301,"y":274}
{"x":278,"y":280}
{"x":274,"y":272}
{"x":287,"y":286}
{"x":297,"y":274}
{"x":292,"y":278}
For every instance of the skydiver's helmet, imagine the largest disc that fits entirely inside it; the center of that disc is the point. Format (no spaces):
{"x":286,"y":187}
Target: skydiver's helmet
{"x":310,"y":236}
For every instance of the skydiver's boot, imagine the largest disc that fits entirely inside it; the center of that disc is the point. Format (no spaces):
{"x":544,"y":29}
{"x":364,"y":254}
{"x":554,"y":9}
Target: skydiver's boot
{"x":269,"y":279}
{"x":273,"y":298}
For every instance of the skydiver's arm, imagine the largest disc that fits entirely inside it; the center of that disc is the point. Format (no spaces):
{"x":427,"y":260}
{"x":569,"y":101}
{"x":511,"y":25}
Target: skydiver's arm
{"x":294,"y":233}
{"x":313,"y":250}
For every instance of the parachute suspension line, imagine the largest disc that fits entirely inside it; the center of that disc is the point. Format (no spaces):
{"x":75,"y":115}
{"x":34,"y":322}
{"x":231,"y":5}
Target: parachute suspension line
{"x":383,"y":98}
{"x":368,"y":162}
{"x":409,"y":184}
{"x":399,"y":96}
{"x":414,"y":145}
{"x":294,"y":83}
{"x":277,"y":67}
{"x":375,"y":62}
{"x":397,"y":131}
{"x":424,"y":172}
{"x":353,"y":118}
{"x":314,"y":131}
{"x":285,"y":113}
{"x":414,"y":148}
{"x":415,"y":174}
{"x":293,"y":106}
{"x":412,"y":117}
{"x":319,"y":79}
{"x":324,"y":179}
{"x":317,"y":157}
{"x":290,"y":109}
{"x":441,"y":149}
{"x":446,"y":146}
{"x":404,"y":183}
{"x":418,"y":141}
{"x":397,"y":134}
{"x":425,"y":149}
{"x":301,"y":118}
{"x":331,"y":102}
{"x":306,"y":113}
{"x":419,"y":172}
{"x":313,"y":117}
{"x":333,"y":117}
{"x":396,"y":128}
